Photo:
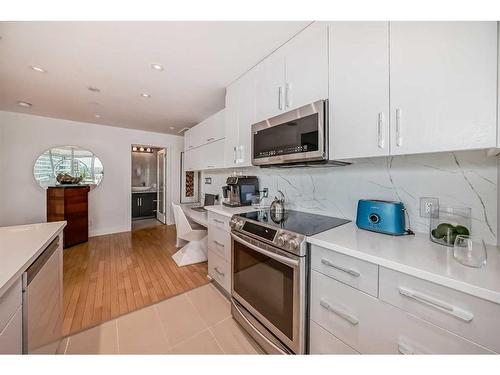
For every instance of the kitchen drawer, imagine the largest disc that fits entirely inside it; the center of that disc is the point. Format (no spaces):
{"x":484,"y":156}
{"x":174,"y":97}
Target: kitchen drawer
{"x":219,"y":241}
{"x":220,"y":270}
{"x":11,"y":337}
{"x":371,"y":326}
{"x":323,"y":342}
{"x":468,"y":316}
{"x":9,"y":302}
{"x":351,"y":271}
{"x":219,"y":221}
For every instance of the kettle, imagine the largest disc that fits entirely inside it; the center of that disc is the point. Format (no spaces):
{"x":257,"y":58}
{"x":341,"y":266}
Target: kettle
{"x":278,"y":205}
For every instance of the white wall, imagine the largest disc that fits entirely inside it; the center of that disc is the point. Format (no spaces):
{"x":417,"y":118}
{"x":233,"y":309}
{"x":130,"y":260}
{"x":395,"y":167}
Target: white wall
{"x":458,"y":179}
{"x":25,"y":137}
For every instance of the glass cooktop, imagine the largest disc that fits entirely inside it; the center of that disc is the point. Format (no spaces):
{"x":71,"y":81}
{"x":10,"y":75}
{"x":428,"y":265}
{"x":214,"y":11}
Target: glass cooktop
{"x":295,"y":221}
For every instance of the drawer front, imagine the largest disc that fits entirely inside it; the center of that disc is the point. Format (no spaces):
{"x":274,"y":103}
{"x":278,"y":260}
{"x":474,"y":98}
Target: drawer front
{"x":220,"y":270}
{"x":371,"y":326}
{"x":468,"y":316}
{"x":323,"y":342}
{"x":351,"y":271}
{"x":219,"y":241}
{"x":11,"y":337}
{"x":219,"y":221}
{"x":9,"y":302}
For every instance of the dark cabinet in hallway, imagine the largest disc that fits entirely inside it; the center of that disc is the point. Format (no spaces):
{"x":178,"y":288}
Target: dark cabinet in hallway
{"x":143,"y":205}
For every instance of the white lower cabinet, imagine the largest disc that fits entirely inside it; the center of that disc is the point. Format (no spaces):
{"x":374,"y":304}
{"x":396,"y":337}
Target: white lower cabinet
{"x":323,"y":342}
{"x":219,"y":250}
{"x":220,"y":270}
{"x":11,"y":330}
{"x":371,"y":326}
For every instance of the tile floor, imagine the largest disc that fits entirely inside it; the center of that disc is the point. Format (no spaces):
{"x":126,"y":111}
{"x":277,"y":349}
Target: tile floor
{"x":195,"y":322}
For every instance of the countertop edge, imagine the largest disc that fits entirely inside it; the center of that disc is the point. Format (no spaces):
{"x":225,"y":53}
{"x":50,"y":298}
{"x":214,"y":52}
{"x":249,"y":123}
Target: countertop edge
{"x":35,"y":255}
{"x":476,"y":291}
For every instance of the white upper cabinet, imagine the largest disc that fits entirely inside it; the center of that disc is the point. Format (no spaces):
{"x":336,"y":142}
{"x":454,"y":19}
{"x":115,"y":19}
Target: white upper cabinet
{"x":359,"y":89}
{"x":209,"y":130}
{"x":306,"y":67}
{"x":240,"y":115}
{"x":270,"y":86}
{"x":443,"y":86}
{"x":294,"y":75}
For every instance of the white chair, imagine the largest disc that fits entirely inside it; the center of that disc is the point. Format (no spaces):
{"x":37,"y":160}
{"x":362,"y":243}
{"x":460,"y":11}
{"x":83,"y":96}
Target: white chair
{"x":195,"y":251}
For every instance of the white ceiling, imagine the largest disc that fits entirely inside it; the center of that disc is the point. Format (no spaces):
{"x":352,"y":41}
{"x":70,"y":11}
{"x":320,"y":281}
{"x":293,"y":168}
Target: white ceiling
{"x":199,"y":58}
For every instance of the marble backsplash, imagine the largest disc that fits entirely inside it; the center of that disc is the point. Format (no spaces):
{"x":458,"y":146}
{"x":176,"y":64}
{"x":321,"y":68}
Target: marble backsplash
{"x":458,"y":179}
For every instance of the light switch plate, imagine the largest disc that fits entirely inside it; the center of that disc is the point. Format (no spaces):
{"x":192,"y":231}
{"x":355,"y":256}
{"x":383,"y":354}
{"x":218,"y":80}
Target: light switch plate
{"x":208,"y":180}
{"x":426,"y":204}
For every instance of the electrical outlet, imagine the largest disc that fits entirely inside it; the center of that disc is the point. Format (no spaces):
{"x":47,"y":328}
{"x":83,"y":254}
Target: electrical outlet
{"x":265,"y":193}
{"x":426,"y":204}
{"x":208,"y":180}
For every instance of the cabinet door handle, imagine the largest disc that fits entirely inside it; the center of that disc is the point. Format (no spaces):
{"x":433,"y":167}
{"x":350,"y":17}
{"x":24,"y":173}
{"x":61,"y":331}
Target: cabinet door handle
{"x":437,"y":304}
{"x":234,"y":155}
{"x":240,"y":156}
{"x":210,"y":166}
{"x":219,"y":221}
{"x":340,"y":312}
{"x":380,"y":126}
{"x":218,"y":243}
{"x":280,"y":98}
{"x":216,"y":269}
{"x":288,"y":95}
{"x":210,"y":139}
{"x":351,"y":272}
{"x":399,"y":139}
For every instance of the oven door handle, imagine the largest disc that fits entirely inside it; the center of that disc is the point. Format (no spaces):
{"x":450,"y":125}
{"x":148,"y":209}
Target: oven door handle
{"x":277,"y":257}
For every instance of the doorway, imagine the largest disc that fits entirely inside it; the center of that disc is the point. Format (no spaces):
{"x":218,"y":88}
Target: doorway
{"x":148,"y":186}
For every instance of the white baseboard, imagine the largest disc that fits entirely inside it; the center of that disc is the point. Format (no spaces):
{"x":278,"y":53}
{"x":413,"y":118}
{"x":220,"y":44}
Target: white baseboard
{"x":103,"y":231}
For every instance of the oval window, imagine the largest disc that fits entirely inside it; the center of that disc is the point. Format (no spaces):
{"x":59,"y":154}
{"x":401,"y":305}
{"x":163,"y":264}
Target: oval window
{"x":68,"y":165}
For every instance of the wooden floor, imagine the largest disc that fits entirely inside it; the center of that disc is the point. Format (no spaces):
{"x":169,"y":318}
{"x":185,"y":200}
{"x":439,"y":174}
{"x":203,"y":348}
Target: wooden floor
{"x":114,"y":274}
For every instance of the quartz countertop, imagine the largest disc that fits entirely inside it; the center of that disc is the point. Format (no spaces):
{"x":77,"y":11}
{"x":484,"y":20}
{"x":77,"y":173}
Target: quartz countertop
{"x":417,"y":256}
{"x":229,"y":211}
{"x":20,"y":245}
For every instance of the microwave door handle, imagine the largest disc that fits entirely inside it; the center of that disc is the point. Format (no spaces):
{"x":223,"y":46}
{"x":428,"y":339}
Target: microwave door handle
{"x":277,"y":257}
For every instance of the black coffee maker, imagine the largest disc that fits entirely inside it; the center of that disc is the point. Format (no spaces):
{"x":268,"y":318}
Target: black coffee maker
{"x":240,"y":190}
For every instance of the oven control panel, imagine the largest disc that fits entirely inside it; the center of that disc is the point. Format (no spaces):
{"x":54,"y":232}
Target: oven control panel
{"x":282,"y":239}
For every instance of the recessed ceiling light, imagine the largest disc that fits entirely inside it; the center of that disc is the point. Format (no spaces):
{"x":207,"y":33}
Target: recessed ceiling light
{"x":94,"y":89}
{"x":24,"y":104}
{"x":38,"y":69}
{"x":97,"y":115}
{"x":157,"y":67}
{"x":145,"y":95}
{"x":172,"y":127}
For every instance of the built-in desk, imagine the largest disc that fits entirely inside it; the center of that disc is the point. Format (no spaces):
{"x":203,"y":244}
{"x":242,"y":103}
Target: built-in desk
{"x":199,"y":217}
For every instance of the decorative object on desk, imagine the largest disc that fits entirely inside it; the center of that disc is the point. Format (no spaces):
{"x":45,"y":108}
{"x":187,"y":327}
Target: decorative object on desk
{"x":382,"y":216}
{"x":62,"y":164}
{"x":67,"y":179}
{"x":446,"y":223}
{"x":469,"y":253}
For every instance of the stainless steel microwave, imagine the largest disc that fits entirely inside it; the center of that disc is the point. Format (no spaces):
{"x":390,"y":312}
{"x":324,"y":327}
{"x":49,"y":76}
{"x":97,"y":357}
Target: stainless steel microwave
{"x":296,"y":137}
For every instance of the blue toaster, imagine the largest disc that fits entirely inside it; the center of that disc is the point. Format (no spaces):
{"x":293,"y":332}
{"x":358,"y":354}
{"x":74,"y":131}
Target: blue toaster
{"x":381,"y":216}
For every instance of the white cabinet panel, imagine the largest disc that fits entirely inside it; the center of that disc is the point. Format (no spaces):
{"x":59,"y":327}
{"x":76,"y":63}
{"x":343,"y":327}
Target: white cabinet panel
{"x":11,"y":337}
{"x":306,"y":67}
{"x":371,"y":326}
{"x":270,"y":86}
{"x":9,"y":302}
{"x":323,"y":342}
{"x":219,"y":241}
{"x":209,"y":156}
{"x":246,"y":118}
{"x":359,"y":89}
{"x":468,"y":316}
{"x":443,"y":86}
{"x":231,"y":124}
{"x":348,"y":270}
{"x":220,"y":270}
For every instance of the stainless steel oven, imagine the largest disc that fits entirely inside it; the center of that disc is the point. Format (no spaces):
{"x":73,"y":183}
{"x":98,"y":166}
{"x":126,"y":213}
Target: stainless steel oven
{"x":294,"y":137}
{"x":269,"y":293}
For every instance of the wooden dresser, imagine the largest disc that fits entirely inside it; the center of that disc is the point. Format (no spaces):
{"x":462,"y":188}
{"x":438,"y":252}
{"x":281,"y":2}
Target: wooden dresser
{"x":70,"y":203}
